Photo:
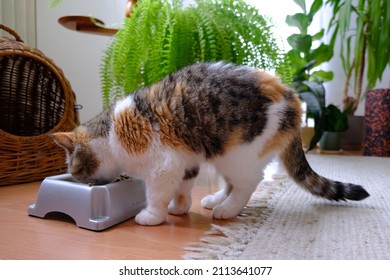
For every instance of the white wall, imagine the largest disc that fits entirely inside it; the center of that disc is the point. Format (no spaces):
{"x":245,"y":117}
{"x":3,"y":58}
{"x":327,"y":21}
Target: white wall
{"x":19,"y":16}
{"x":78,"y":54}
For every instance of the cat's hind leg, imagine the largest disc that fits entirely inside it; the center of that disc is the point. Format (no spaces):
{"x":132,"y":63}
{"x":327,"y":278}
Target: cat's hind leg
{"x":182,"y":201}
{"x":241,"y":191}
{"x":212,"y":200}
{"x":243,"y":170}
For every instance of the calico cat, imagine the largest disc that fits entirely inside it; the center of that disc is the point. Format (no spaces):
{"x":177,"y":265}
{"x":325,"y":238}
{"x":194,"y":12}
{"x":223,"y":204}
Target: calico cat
{"x":234,"y":117}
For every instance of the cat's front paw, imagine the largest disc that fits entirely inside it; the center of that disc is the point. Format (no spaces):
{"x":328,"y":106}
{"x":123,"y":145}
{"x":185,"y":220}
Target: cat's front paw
{"x":147,"y":218}
{"x":179,"y":207}
{"x":212,"y":200}
{"x":222,"y":212}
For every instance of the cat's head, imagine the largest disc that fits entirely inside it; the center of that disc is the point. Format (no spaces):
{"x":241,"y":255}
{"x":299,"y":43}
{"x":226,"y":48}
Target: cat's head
{"x":88,"y":158}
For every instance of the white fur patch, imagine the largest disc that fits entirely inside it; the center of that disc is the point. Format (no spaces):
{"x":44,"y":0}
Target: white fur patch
{"x":274,"y":113}
{"x":124,"y":104}
{"x":108,"y":165}
{"x":242,"y":162}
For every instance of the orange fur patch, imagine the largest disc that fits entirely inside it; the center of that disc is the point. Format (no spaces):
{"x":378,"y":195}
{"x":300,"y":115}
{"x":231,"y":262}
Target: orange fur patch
{"x":169,"y":127}
{"x":279,"y":140}
{"x":167,"y":123}
{"x":295,"y":103}
{"x":270,"y":86}
{"x":81,"y":134}
{"x":133,"y":131}
{"x":152,"y":93}
{"x":179,"y":89}
{"x":181,"y":199}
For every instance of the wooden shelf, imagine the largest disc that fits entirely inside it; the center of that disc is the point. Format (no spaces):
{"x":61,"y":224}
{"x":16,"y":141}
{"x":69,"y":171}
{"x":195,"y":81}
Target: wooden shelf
{"x":86,"y":24}
{"x":91,"y":25}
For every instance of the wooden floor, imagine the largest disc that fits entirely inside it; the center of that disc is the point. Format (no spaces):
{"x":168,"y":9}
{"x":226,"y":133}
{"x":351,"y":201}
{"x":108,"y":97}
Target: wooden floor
{"x":57,"y":237}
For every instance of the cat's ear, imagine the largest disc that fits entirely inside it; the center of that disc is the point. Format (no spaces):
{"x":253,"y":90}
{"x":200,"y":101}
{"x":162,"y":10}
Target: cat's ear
{"x":64,"y":139}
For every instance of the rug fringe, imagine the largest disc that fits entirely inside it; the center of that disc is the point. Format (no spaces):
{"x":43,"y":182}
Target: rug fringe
{"x":230,"y":240}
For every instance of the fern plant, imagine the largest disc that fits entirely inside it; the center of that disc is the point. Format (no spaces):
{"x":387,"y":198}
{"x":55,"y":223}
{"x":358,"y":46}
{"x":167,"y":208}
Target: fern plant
{"x":162,"y":36}
{"x":54,"y":3}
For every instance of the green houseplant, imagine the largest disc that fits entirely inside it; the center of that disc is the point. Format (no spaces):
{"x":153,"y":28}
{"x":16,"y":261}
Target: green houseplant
{"x":333,"y":122}
{"x":54,"y":3}
{"x":363,"y":27}
{"x":304,"y":58}
{"x":162,"y":36}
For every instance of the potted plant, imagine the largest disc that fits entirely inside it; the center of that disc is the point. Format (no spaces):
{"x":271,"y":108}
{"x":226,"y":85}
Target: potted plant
{"x":363,"y":27}
{"x":162,"y":36}
{"x":333,"y":122}
{"x":304,"y":59}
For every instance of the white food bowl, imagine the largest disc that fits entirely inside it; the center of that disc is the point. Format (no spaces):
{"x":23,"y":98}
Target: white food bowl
{"x":92,"y":207}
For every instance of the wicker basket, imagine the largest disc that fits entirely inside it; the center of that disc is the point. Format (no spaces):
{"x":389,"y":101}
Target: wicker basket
{"x":35,"y":101}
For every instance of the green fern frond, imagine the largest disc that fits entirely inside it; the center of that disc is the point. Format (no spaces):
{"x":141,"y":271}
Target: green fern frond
{"x":105,"y":72}
{"x":54,"y":3}
{"x":184,"y":40}
{"x":162,"y":36}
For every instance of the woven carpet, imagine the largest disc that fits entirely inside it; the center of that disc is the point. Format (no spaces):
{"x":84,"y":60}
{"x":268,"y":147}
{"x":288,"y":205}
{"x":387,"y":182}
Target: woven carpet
{"x":284,"y":222}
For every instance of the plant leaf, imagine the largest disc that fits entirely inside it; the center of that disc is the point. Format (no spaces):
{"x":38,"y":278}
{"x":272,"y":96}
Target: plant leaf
{"x":313,"y":104}
{"x":301,"y":43}
{"x":378,"y":56}
{"x":299,"y":20}
{"x":321,"y":76}
{"x":319,"y":35}
{"x":317,"y":4}
{"x":297,"y":62}
{"x":360,"y":41}
{"x":321,"y":54}
{"x":54,"y":3}
{"x":301,"y":4}
{"x":163,"y":36}
{"x":334,"y":120}
{"x":318,"y":90}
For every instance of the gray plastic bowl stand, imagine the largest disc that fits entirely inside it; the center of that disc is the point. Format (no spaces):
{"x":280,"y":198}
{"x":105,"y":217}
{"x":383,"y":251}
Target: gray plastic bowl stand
{"x":95,"y":208}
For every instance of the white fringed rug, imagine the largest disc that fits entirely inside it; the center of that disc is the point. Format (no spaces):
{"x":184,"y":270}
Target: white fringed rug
{"x":284,"y":222}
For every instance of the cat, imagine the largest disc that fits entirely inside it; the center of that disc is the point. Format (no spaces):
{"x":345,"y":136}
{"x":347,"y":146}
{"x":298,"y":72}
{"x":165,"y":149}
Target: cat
{"x":236,"y":118}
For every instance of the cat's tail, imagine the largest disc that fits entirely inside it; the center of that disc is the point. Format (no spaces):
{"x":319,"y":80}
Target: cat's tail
{"x":293,"y":158}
